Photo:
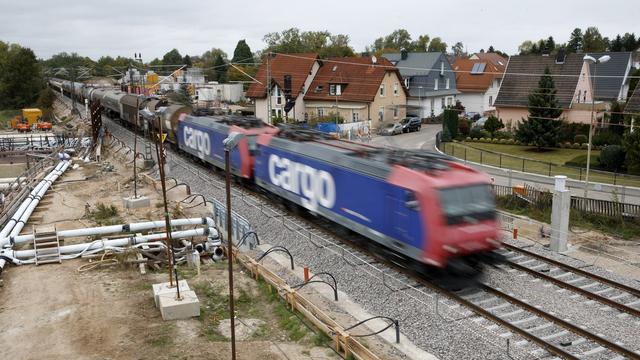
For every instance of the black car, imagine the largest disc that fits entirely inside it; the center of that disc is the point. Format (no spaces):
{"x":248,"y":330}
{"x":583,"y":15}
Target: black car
{"x":411,"y":124}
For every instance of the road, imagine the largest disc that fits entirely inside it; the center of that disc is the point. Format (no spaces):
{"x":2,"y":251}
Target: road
{"x":425,"y":140}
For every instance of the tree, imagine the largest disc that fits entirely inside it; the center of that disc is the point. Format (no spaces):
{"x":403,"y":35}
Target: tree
{"x":593,"y":40}
{"x":493,"y":124}
{"x":616,"y":44}
{"x":458,"y":49}
{"x":631,"y":143}
{"x":187,"y":61}
{"x":173,"y":57}
{"x":629,"y":42}
{"x":242,"y":53}
{"x":491,"y":49}
{"x":526,"y":47}
{"x":220,"y":67}
{"x":20,"y":77}
{"x":612,"y":157}
{"x":422,"y":43}
{"x":616,"y":121}
{"x":322,"y":42}
{"x":633,"y":83}
{"x":575,"y":41}
{"x":450,"y":123}
{"x":550,"y":45}
{"x":541,"y":127}
{"x":437,"y":45}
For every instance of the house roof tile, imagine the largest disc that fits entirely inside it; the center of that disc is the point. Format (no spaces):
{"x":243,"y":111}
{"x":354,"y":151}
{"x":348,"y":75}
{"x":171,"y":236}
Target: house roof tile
{"x":297,"y":65}
{"x":360,"y":78}
{"x":523,"y":74}
{"x":611,"y":75}
{"x":466,"y":81}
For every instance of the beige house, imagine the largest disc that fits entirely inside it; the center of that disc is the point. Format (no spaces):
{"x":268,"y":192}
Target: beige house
{"x":357,"y":89}
{"x":571,"y":76}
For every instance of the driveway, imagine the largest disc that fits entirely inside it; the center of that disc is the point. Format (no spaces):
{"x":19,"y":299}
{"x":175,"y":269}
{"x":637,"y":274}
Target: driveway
{"x":425,"y":139}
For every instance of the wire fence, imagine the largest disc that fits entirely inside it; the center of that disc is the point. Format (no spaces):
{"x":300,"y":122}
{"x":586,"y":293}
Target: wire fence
{"x":506,"y":161}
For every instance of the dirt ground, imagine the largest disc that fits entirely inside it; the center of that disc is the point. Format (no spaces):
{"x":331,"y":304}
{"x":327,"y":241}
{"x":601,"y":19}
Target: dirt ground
{"x":56,"y":312}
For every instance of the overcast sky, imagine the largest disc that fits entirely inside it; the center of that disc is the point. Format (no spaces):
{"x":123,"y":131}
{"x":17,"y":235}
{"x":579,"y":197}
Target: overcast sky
{"x":119,"y":27}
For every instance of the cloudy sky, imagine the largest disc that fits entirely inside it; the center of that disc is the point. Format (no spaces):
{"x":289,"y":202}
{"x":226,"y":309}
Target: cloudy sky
{"x":119,"y":27}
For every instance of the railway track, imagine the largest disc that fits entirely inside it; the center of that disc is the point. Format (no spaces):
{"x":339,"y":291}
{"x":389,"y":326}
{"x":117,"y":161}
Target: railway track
{"x":608,"y":292}
{"x":559,"y":337}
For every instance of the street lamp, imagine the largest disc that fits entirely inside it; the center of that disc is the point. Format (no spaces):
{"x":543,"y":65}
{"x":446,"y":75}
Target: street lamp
{"x":229,"y":144}
{"x":595,"y":62}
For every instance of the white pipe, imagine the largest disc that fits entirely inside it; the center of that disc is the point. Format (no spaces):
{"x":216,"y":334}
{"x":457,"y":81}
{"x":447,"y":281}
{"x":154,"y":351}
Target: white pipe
{"x":36,"y":200}
{"x":99,"y":245}
{"x":113,"y":229}
{"x":25,"y":204}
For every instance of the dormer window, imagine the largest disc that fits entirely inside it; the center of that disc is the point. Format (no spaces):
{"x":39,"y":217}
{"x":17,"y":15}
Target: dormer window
{"x":442,"y":68}
{"x":318,"y":89}
{"x":335,"y":89}
{"x":435,"y":86}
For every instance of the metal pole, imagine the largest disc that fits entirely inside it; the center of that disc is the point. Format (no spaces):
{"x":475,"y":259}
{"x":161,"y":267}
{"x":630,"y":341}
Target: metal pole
{"x":161,"y":159}
{"x":135,"y":149}
{"x":230,"y":253}
{"x":593,"y":105}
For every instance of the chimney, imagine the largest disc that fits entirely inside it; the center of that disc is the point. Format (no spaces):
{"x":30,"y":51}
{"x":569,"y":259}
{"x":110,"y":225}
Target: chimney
{"x":403,"y":54}
{"x":560,"y":57}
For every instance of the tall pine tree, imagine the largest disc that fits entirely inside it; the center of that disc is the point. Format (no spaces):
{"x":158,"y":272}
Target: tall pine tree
{"x":541,"y":127}
{"x":575,"y":41}
{"x":242,"y":54}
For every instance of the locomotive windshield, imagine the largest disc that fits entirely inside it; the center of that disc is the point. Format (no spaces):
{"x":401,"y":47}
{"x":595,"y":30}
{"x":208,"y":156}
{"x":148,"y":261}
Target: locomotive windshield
{"x":467,"y":204}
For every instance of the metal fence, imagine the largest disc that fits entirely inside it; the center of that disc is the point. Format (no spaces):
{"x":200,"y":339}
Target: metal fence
{"x":240,"y":226}
{"x":543,"y":199}
{"x":505,"y":161}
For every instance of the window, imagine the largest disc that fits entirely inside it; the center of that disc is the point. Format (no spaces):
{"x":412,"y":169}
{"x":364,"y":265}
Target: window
{"x":396,"y":111}
{"x":478,"y":68}
{"x":584,"y":97}
{"x":579,"y":95}
{"x":278,"y":96}
{"x":442,"y":101}
{"x":395,"y":89}
{"x":355,"y":116}
{"x":491,"y":100}
{"x":332,"y":89}
{"x":406,"y":83}
{"x":449,"y":101}
{"x":435,"y":86}
{"x":442,"y":68}
{"x":306,"y":116}
{"x":382,"y":90}
{"x":320,"y":112}
{"x":467,"y":204}
{"x":381,"y":113}
{"x":446,"y":82}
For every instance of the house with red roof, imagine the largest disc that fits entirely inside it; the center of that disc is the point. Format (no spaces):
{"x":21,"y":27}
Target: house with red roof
{"x":286,"y":78}
{"x":478,"y":80}
{"x":357,"y":89}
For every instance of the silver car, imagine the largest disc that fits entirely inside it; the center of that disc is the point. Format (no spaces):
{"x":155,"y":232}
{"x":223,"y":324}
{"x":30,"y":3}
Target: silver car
{"x":391,"y":129}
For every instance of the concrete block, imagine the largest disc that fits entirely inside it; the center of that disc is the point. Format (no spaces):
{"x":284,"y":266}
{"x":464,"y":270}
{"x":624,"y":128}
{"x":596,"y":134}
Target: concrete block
{"x":173,"y":308}
{"x":165,"y":288}
{"x":136,"y":203}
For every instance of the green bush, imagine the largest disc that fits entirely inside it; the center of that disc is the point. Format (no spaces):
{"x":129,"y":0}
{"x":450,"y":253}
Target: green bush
{"x":503,"y":135}
{"x":463,"y":127}
{"x":575,"y":146}
{"x":612,"y":157}
{"x":580,"y":139}
{"x":503,"y":141}
{"x":584,"y":146}
{"x":606,"y":137}
{"x":467,"y":139}
{"x":475,"y":139}
{"x":478,"y":133}
{"x":511,"y":141}
{"x":568,"y":131}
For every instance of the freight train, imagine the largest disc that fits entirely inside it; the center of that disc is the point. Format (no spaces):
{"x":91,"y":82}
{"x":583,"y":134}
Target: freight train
{"x":415,"y":207}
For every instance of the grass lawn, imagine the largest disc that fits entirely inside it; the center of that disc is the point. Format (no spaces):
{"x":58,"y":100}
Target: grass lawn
{"x":527,"y":159}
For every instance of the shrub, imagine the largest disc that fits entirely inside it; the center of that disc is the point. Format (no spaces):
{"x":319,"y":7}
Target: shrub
{"x":463,"y":127}
{"x":484,"y":140}
{"x":493,"y":124}
{"x":580,"y":139}
{"x":511,"y":141}
{"x":467,"y":138}
{"x":575,"y":146}
{"x":503,"y":135}
{"x":568,"y":131}
{"x":607,"y":137}
{"x":503,"y":141}
{"x":446,"y":134}
{"x":612,"y":157}
{"x":478,"y":133}
{"x":584,"y":146}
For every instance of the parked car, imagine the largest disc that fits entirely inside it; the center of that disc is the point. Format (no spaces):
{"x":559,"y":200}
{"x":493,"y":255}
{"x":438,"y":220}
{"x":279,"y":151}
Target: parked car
{"x":480,"y":122}
{"x":411,"y":124}
{"x":391,"y":129}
